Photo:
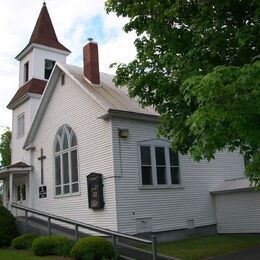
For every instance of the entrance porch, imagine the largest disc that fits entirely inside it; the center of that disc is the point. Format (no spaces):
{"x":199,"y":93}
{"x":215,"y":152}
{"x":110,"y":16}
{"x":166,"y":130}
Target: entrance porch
{"x":17,"y":186}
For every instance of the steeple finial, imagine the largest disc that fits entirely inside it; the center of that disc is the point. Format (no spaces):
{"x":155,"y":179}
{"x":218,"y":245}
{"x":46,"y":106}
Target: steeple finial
{"x":44,"y":3}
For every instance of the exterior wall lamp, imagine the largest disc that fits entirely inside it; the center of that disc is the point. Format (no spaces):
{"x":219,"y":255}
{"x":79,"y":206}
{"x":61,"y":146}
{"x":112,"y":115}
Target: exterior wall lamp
{"x":123,"y":133}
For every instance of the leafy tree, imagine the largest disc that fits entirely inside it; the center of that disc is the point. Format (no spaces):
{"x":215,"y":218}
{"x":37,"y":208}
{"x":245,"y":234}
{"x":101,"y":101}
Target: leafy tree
{"x":196,"y":66}
{"x":5,"y":151}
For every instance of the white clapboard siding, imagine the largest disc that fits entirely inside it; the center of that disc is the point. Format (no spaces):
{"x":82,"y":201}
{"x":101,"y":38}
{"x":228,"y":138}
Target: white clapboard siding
{"x":28,"y":108}
{"x":238,"y":212}
{"x":70,"y":105}
{"x":170,"y":208}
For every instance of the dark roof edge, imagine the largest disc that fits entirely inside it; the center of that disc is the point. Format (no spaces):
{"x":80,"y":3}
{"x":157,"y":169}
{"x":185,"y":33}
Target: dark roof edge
{"x":234,"y":190}
{"x":130,"y":115}
{"x":19,"y":165}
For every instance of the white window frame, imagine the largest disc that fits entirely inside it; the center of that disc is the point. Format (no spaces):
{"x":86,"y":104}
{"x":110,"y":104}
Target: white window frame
{"x":60,"y":153}
{"x":20,"y":129}
{"x":26,"y":71}
{"x":166,"y":145}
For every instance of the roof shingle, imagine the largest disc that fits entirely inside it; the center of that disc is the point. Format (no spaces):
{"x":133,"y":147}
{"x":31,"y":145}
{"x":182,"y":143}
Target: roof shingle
{"x":35,"y":86}
{"x":44,"y":32}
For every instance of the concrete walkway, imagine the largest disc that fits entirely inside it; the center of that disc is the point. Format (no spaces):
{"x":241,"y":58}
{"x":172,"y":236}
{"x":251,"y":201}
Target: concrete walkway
{"x":246,"y":254}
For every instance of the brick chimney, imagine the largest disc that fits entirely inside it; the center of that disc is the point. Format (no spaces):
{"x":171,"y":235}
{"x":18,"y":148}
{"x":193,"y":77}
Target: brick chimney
{"x":90,"y":59}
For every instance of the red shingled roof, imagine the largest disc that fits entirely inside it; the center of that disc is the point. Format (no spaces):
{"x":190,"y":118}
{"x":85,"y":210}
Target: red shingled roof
{"x":44,"y":32}
{"x":35,"y":86}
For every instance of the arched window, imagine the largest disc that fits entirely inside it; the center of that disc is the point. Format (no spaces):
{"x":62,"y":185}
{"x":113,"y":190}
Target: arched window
{"x":66,"y":162}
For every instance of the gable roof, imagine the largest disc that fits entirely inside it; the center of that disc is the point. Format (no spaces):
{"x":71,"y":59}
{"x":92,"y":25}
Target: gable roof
{"x":107,"y":94}
{"x":114,"y":101}
{"x":35,"y":86}
{"x":44,"y":32}
{"x":19,"y":168}
{"x":19,"y":165}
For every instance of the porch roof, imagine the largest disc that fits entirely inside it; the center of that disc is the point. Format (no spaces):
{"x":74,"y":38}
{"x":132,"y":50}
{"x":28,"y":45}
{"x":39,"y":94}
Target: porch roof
{"x":20,"y":167}
{"x":240,"y":184}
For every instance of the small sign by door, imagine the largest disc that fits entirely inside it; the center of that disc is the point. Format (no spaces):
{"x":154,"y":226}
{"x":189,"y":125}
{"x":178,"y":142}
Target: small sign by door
{"x":42,"y":192}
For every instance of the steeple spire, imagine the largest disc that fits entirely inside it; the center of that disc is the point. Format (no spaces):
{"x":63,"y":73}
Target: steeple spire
{"x":44,"y":32}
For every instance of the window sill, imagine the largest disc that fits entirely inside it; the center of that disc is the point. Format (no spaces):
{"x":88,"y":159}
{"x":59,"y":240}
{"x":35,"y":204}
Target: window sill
{"x":161,"y":187}
{"x":67,"y":195}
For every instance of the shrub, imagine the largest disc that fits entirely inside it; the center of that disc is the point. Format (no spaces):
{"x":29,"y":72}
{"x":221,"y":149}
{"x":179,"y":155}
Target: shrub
{"x":8,"y":228}
{"x":24,"y":241}
{"x":54,"y":245}
{"x":93,"y":248}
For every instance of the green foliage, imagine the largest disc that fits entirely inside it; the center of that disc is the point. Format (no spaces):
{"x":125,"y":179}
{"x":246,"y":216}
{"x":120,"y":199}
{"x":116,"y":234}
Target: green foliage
{"x":195,"y":65}
{"x":52,"y":245}
{"x":5,"y":151}
{"x":227,"y":114}
{"x":92,"y":248}
{"x":8,"y":229}
{"x":24,"y":241}
{"x":13,"y":254}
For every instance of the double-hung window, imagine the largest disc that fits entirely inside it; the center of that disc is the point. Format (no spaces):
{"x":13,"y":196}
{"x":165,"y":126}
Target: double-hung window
{"x":20,"y":125}
{"x":174,"y":167}
{"x":159,"y":164}
{"x":66,"y":162}
{"x":146,"y":165}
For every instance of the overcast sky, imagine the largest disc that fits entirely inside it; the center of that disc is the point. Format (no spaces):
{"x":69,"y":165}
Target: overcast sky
{"x":74,"y":22}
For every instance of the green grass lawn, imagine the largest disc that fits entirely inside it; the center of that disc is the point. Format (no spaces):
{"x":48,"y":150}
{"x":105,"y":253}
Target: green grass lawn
{"x":202,"y":247}
{"x":11,"y":254}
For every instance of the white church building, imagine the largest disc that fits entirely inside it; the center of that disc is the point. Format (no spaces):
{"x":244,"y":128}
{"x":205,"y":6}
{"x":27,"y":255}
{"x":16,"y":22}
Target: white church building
{"x":82,"y":149}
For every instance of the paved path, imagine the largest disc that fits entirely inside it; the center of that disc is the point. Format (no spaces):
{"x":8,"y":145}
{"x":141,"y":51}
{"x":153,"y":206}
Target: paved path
{"x":246,"y":254}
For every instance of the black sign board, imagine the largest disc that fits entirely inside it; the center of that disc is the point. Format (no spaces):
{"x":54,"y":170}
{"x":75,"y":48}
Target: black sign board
{"x":95,"y":191}
{"x":42,"y":192}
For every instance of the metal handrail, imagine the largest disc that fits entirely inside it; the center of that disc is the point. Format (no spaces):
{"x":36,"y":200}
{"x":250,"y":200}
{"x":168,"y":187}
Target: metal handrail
{"x":78,"y":224}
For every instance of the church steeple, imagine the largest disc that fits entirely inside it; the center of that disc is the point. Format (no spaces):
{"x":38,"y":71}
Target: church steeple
{"x":38,"y":59}
{"x":44,"y":32}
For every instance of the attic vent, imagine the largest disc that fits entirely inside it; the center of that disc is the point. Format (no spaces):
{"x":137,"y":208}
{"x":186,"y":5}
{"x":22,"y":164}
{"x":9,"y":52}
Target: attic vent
{"x":62,"y":79}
